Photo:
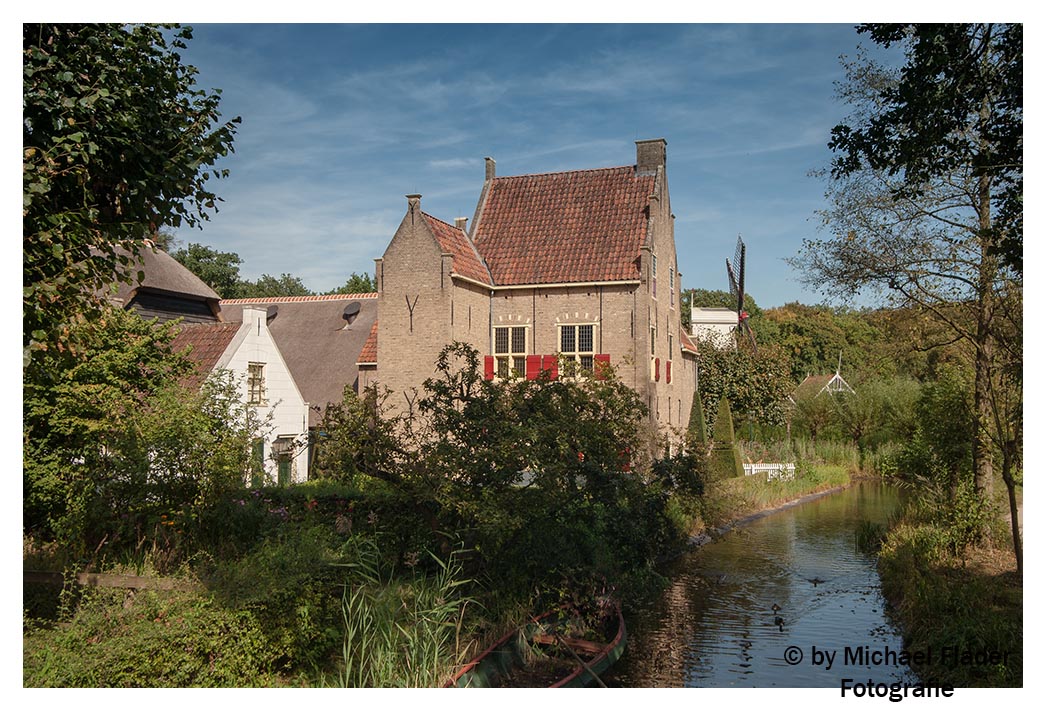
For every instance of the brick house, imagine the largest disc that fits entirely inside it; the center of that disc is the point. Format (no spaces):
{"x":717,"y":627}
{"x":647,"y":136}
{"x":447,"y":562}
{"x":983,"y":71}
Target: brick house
{"x":579,"y":265}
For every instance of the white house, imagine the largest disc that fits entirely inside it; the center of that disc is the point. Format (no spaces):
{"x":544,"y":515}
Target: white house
{"x":714,"y":324}
{"x":248,"y":350}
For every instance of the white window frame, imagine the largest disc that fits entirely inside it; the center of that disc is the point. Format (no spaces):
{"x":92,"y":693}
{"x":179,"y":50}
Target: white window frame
{"x":256,"y":383}
{"x":672,"y":285}
{"x":585,"y":359}
{"x":510,"y":360}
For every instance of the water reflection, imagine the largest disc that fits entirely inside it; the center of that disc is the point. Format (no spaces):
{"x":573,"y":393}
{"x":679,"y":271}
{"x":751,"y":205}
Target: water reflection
{"x":793,"y":578}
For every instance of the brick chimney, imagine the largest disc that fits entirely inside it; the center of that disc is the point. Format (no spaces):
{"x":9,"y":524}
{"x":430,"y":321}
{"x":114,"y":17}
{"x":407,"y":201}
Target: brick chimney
{"x":414,"y":200}
{"x":650,"y":156}
{"x":489,"y":168}
{"x":460,"y":223}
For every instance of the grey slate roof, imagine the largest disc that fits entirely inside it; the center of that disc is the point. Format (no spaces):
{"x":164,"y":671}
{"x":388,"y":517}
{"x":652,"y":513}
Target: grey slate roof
{"x":321,"y":349}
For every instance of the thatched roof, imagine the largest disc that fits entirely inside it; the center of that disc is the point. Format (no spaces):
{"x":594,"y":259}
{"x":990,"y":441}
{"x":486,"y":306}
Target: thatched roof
{"x":162,"y":274}
{"x":320,"y":347}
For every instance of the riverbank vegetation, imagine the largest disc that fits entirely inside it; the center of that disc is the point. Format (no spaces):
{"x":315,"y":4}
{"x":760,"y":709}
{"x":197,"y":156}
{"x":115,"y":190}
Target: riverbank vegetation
{"x":949,"y":589}
{"x":425,"y":535}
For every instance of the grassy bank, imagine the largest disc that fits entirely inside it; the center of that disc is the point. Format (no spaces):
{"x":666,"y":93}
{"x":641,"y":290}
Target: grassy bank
{"x":948,"y":594}
{"x":319,"y":585}
{"x":740,"y":497}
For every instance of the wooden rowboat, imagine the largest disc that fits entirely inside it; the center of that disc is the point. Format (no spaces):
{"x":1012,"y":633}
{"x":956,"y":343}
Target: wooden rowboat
{"x":552,"y":650}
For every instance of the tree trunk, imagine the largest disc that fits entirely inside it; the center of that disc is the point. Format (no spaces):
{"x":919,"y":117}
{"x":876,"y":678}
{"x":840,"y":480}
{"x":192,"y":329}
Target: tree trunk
{"x":1016,"y":532}
{"x":983,"y":350}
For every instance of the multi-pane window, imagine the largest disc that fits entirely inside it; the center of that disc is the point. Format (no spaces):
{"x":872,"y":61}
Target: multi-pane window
{"x":510,"y":350}
{"x":256,"y":383}
{"x":654,"y":276}
{"x":672,"y":285}
{"x":576,"y":342}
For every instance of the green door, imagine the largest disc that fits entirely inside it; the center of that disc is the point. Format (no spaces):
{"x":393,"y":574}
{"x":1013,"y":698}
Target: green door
{"x":257,"y":463}
{"x":283,"y":471}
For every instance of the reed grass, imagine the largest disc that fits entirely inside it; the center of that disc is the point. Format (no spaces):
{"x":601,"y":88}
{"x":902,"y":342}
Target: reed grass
{"x":803,"y":450}
{"x":400,"y":632}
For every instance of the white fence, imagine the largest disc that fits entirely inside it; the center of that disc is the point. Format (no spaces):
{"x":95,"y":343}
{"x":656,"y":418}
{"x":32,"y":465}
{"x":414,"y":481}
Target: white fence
{"x":773,"y":470}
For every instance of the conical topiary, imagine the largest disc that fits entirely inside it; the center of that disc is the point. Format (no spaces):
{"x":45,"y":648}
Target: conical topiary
{"x":697,"y":432}
{"x":725,"y":461}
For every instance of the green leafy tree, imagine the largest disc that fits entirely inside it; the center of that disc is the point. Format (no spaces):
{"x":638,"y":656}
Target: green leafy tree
{"x":697,"y":430}
{"x":286,"y":285}
{"x":547,"y":479}
{"x":356,"y":284}
{"x":955,"y":108}
{"x":818,"y":338}
{"x":757,"y":384}
{"x":925,"y":190}
{"x":815,"y":417}
{"x":117,"y":142}
{"x":219,"y":270}
{"x":112,"y":438}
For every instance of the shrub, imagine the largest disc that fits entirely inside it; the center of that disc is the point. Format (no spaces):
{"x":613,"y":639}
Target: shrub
{"x":289,"y":586}
{"x":149,"y":639}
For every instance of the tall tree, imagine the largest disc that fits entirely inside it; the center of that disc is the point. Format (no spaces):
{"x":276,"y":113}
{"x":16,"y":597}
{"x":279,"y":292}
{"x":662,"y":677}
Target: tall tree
{"x":220,"y":270}
{"x":956,"y":106}
{"x":117,"y":142}
{"x":286,"y":285}
{"x":925,"y":189}
{"x":356,"y":284}
{"x":756,"y":385}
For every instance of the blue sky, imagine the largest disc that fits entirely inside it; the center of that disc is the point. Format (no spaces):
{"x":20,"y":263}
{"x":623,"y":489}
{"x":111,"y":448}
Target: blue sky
{"x":341,"y":121}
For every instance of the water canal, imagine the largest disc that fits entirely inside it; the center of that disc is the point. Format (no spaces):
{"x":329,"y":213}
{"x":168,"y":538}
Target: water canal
{"x":739,"y":607}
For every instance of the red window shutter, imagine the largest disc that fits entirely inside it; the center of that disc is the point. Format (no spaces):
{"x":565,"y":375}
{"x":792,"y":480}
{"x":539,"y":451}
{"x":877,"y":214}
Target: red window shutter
{"x":534,"y":366}
{"x":489,"y":368}
{"x":550,"y":364}
{"x":668,"y":371}
{"x":657,"y":369}
{"x":602,"y":362}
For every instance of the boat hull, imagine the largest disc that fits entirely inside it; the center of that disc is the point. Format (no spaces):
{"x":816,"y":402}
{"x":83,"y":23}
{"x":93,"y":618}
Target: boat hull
{"x":501,"y":663}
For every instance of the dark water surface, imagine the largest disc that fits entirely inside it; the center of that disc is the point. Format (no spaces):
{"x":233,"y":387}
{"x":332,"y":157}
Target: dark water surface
{"x":715,"y":625}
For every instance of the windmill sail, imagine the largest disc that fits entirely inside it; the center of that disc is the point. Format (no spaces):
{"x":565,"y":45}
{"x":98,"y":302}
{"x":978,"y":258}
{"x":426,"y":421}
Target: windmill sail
{"x":736,"y":279}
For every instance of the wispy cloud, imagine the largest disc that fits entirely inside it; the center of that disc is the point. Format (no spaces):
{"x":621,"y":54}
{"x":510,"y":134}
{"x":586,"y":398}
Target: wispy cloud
{"x":339,"y":122}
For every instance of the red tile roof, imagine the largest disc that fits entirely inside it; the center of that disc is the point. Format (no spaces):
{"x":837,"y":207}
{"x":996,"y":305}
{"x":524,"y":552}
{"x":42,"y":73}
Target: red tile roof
{"x":452,"y":240}
{"x":686,"y":343}
{"x":208,"y":342}
{"x":307,"y":298}
{"x":369,"y":352}
{"x":576,"y":226}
